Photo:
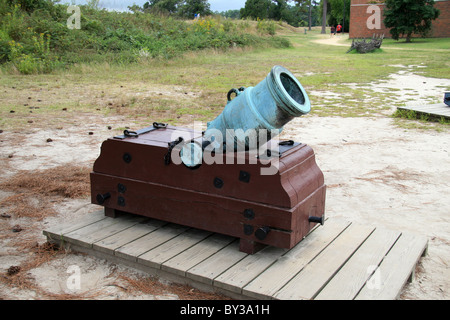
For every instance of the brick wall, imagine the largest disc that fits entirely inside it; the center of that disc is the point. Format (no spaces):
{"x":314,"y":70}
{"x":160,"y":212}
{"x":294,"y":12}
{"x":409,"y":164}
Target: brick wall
{"x":359,"y":17}
{"x":441,"y":26}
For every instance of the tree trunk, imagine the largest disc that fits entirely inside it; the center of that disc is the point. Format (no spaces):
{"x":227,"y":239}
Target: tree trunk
{"x":324,"y":17}
{"x":309,"y":16}
{"x":408,"y":37}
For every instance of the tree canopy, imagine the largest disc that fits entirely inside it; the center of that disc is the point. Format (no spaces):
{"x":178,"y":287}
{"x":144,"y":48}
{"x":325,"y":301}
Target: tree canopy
{"x":183,"y":8}
{"x":296,"y":14}
{"x":408,"y":17}
{"x":339,"y":13}
{"x":166,"y":6}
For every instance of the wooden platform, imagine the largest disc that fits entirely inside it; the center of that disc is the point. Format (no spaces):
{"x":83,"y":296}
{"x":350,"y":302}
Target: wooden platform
{"x":340,"y":260}
{"x":435,"y":110}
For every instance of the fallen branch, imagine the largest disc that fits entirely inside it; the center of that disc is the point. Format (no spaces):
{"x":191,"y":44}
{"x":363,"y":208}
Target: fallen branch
{"x":364,"y":45}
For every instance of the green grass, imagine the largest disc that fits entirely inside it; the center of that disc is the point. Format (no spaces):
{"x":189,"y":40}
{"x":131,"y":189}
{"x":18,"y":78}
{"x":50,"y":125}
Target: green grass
{"x":428,"y":44}
{"x":193,"y":86}
{"x":429,"y":52}
{"x":411,"y":114}
{"x":39,"y":41}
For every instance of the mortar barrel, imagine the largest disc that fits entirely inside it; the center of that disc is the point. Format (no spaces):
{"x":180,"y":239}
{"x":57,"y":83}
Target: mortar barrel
{"x":269,"y":105}
{"x":256,"y":115}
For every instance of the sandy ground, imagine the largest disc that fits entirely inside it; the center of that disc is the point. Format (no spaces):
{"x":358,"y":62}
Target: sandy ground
{"x":335,"y":40}
{"x":377,"y":173}
{"x":381,"y":175}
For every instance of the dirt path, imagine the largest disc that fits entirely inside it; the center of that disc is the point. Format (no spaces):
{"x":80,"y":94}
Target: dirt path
{"x":334,"y":40}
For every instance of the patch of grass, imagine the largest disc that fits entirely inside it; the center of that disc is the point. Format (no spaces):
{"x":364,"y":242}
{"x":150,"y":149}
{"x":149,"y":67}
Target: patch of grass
{"x":428,"y":44}
{"x":411,"y":119}
{"x":375,"y":51}
{"x":155,"y":90}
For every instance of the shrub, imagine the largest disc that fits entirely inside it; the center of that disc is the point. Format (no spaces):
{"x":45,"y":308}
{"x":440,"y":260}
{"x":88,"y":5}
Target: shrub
{"x":266,"y":26}
{"x":40,"y":60}
{"x":4,"y":46}
{"x":42,"y":41}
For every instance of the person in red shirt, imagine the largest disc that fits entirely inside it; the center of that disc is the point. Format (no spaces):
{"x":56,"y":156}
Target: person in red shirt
{"x":339,"y":28}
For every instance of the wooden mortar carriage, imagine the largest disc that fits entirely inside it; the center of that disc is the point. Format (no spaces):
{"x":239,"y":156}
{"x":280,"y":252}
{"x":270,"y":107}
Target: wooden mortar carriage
{"x":272,"y":196}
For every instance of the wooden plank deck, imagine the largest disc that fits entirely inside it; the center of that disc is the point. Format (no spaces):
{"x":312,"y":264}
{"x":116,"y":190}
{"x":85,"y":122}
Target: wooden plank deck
{"x":436,"y":110}
{"x":340,"y":260}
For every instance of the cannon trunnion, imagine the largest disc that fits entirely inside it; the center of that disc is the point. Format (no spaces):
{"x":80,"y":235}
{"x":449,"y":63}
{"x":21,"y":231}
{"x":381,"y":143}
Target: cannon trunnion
{"x":270,"y":198}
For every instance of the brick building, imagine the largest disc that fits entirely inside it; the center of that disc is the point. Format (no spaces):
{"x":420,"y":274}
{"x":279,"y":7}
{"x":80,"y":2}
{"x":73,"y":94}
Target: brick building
{"x":365,"y":20}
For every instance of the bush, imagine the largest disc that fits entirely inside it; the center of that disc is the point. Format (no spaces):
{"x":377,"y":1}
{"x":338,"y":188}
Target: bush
{"x":40,"y":60}
{"x":4,"y":46}
{"x":34,"y":37}
{"x":266,"y":26}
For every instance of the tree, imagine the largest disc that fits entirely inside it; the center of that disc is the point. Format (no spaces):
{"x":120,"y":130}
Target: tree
{"x":256,"y":9}
{"x":339,"y":13}
{"x":31,"y":5}
{"x":267,"y":9}
{"x":408,"y":17}
{"x":324,"y":17}
{"x":135,"y":8}
{"x":276,"y":9}
{"x":295,"y":15}
{"x":164,"y":6}
{"x":310,"y":4}
{"x":191,"y":7}
{"x":232,"y":14}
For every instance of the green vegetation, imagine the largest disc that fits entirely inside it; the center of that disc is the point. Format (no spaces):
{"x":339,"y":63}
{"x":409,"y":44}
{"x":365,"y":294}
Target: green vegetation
{"x":413,"y":115}
{"x":410,"y":119}
{"x":109,"y":75}
{"x":408,"y":17}
{"x":296,"y":15}
{"x":338,"y":12}
{"x":427,"y":44}
{"x":182,"y":8}
{"x":35,"y":38}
